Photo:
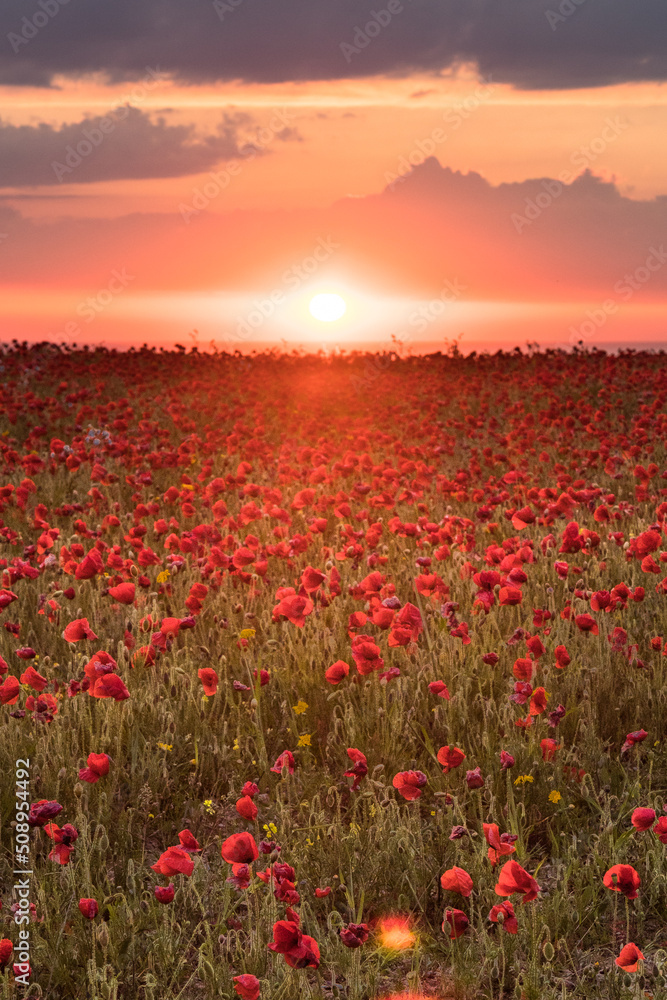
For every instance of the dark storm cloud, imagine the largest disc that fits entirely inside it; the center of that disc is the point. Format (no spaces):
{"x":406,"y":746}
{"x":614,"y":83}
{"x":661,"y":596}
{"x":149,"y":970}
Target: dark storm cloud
{"x":530,"y":43}
{"x":126,"y":143}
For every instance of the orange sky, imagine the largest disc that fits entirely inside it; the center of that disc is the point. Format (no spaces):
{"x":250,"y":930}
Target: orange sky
{"x":205,"y":267}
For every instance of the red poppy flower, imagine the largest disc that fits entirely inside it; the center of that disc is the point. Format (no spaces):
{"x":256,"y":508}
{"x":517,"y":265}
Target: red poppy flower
{"x":457,"y":880}
{"x":632,"y":739}
{"x":63,"y":839}
{"x":549,"y":747}
{"x":246,"y":808}
{"x":503,"y":913}
{"x":173,"y":861}
{"x":522,"y":692}
{"x":628,"y":958}
{"x":9,"y":690}
{"x":335,"y":673}
{"x":439,"y":688}
{"x":660,"y":829}
{"x":562,"y":657}
{"x":25,"y":652}
{"x":458,"y":922}
{"x":89,"y":908}
{"x":409,"y":783}
{"x":100,"y":663}
{"x":43,"y":811}
{"x":164,"y":893}
{"x":188,"y":842}
{"x":33,"y":679}
{"x":406,"y":627}
{"x":321,"y":893}
{"x":510,"y":596}
{"x":286,"y":759}
{"x":299,"y":949}
{"x":586,"y":623}
{"x":312,"y":579}
{"x":624,"y":879}
{"x":506,"y":760}
{"x":109,"y":686}
{"x":6,"y":948}
{"x":295,"y":608}
{"x":359,"y":769}
{"x":538,"y":701}
{"x":240,"y":877}
{"x":513,"y":878}
{"x":643,"y":819}
{"x":124,"y":593}
{"x":98,"y":767}
{"x":247,"y":986}
{"x":240,"y":848}
{"x":498,"y":847}
{"x":209,"y":679}
{"x":450,"y":757}
{"x":366,"y":655}
{"x":523,"y":669}
{"x":77,"y":630}
{"x":354,"y":935}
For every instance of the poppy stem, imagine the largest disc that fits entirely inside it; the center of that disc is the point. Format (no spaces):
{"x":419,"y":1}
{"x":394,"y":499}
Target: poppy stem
{"x":614,"y":923}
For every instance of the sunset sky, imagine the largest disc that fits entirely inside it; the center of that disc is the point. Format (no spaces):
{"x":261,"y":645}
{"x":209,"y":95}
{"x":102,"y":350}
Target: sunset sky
{"x":489,"y":170}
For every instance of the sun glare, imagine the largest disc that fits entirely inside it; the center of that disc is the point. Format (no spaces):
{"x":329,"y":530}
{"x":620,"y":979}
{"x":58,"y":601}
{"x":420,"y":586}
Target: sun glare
{"x":396,"y":933}
{"x":327,"y":307}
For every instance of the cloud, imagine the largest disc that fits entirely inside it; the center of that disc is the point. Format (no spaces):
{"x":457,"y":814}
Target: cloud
{"x":126,"y":143}
{"x":578,"y":241}
{"x":529,"y":43}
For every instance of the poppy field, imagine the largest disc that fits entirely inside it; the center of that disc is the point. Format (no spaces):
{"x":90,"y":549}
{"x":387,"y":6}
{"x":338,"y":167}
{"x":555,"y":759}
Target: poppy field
{"x":332,"y":676}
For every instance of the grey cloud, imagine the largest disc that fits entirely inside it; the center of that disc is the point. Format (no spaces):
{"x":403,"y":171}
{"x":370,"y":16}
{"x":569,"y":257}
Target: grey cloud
{"x":529,"y":43}
{"x":126,"y":143}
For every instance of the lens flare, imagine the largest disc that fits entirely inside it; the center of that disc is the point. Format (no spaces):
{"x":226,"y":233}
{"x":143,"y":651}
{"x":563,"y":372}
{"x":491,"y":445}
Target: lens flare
{"x":327,"y":307}
{"x":396,"y":933}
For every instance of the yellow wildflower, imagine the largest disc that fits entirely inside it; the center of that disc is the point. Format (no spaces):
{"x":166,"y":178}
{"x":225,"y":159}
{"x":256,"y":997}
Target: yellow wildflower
{"x":208,"y":806}
{"x":523,"y":778}
{"x":304,"y":740}
{"x":166,"y":746}
{"x":163,"y":576}
{"x":300,"y":707}
{"x":247,"y":633}
{"x":555,"y":797}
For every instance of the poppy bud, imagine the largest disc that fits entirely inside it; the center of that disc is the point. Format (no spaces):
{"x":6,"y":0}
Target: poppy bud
{"x":474,"y":778}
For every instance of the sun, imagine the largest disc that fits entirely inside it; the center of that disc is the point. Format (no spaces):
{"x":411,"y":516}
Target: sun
{"x":327,"y":307}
